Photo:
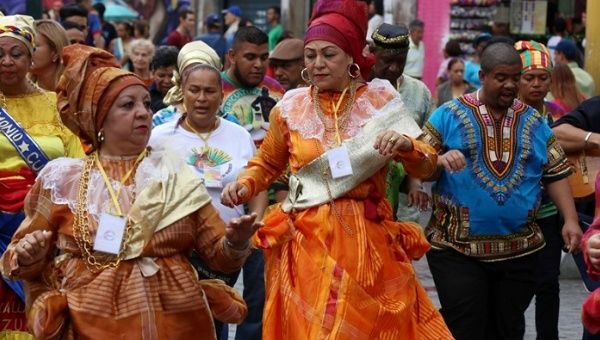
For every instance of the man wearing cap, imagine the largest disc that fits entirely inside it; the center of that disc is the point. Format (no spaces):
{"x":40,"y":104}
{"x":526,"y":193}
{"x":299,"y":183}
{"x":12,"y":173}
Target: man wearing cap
{"x":287,"y":62}
{"x":233,"y":16}
{"x":390,"y":46}
{"x":472,"y":66}
{"x":567,"y":53}
{"x":213,"y":36}
{"x":183,"y":33}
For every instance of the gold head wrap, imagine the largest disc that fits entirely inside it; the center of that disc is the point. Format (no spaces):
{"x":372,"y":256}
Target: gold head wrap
{"x":195,"y":52}
{"x":19,"y":27}
{"x":91,"y":82}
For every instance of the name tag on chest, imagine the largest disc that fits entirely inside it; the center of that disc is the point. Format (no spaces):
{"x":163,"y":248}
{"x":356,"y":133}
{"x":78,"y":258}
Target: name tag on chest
{"x":109,"y":236}
{"x":339,"y":162}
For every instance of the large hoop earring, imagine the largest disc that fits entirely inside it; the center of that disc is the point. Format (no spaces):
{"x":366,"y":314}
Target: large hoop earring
{"x":353,"y":74}
{"x":100,"y":136}
{"x":304,"y":77}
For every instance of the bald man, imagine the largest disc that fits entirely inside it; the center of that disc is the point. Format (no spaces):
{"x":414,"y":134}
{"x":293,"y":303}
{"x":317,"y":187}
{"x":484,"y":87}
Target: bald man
{"x":495,"y":152}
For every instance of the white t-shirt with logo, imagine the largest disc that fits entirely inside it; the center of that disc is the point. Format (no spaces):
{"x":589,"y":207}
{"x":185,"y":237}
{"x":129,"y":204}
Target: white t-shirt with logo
{"x":220,"y":162}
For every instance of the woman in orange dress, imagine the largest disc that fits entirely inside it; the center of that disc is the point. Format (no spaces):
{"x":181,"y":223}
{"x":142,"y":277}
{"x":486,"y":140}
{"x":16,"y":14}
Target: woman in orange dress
{"x":103,"y":248}
{"x":337,"y":265}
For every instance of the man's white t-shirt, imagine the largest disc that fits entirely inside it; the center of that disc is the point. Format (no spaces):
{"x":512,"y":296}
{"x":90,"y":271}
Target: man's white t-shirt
{"x":230,"y":147}
{"x":415,"y":59}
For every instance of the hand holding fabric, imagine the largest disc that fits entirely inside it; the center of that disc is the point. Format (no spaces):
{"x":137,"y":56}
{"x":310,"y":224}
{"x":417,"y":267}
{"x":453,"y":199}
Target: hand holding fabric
{"x":33,"y":247}
{"x":234,"y":194}
{"x":391,"y":143}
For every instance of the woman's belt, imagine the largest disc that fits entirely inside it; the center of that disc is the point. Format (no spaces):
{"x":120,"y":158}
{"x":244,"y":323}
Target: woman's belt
{"x":313,"y":184}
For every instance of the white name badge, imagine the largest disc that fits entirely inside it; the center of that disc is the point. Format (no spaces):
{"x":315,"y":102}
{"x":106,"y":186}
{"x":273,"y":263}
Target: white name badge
{"x":110,"y":233}
{"x":339,"y":162}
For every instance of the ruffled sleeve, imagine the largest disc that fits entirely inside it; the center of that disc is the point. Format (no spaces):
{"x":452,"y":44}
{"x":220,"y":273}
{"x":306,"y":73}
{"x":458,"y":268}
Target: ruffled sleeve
{"x":272,"y":157}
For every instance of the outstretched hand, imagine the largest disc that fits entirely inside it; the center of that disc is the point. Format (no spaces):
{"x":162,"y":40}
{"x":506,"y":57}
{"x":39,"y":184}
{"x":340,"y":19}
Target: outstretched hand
{"x":239,"y":230}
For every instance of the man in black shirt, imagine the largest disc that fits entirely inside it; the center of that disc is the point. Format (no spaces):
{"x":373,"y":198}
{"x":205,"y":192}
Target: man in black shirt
{"x":580,"y":129}
{"x":162,"y":66}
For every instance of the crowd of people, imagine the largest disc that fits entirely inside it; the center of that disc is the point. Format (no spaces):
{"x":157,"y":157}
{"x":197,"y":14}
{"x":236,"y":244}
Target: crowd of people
{"x":139,"y":183}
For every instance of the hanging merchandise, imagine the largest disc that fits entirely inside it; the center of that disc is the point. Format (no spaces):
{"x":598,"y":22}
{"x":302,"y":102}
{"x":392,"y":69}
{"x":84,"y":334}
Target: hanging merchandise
{"x":468,"y":18}
{"x":528,"y":17}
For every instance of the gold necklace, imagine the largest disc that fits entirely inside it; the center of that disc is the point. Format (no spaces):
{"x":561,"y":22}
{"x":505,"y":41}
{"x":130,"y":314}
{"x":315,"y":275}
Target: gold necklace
{"x":209,"y":133}
{"x":342,"y":120}
{"x":336,"y":213}
{"x":94,"y":261}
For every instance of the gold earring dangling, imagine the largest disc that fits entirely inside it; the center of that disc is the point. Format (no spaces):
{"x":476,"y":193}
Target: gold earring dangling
{"x":100,"y":136}
{"x":356,"y":67}
{"x":304,"y":77}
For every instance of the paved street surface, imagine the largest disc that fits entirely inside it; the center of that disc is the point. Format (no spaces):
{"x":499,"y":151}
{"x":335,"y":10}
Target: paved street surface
{"x":571,"y":297}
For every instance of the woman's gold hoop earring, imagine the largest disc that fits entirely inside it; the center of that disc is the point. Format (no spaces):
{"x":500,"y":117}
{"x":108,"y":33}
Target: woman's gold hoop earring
{"x":353,"y":74}
{"x":100,"y":136}
{"x":304,"y":76}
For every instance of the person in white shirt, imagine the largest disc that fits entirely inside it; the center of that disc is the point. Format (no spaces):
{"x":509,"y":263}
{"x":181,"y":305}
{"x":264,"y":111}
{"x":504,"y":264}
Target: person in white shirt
{"x":560,"y":30}
{"x":375,"y":17}
{"x":416,"y":51}
{"x":216,"y":150}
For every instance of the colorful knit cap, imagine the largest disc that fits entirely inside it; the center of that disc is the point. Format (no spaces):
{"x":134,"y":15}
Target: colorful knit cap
{"x":344,"y":23}
{"x":534,"y":55}
{"x":19,"y":27}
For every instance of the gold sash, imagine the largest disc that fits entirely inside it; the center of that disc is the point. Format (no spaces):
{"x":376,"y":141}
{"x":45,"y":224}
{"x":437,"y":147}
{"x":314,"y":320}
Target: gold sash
{"x":306,"y":187}
{"x":164,"y":202}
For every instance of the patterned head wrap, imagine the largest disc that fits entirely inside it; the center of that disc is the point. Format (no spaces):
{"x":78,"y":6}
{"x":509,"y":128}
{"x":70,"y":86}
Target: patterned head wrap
{"x":344,"y":23}
{"x":391,"y":37}
{"x":91,"y":82}
{"x":534,"y":55}
{"x":19,"y":27}
{"x":195,"y":52}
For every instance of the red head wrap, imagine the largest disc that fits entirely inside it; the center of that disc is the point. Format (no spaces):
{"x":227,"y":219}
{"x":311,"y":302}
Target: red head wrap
{"x":344,"y":23}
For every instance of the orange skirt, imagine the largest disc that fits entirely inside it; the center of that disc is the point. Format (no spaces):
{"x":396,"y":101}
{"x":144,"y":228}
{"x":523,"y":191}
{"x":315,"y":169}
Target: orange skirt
{"x":350,"y":280}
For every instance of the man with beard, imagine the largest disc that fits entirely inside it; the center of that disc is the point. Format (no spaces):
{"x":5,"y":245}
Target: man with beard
{"x":249,"y":93}
{"x":390,"y":46}
{"x":496,"y":152}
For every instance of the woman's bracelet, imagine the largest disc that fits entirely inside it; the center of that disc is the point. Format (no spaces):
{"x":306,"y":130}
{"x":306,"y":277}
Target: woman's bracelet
{"x":233,"y":247}
{"x":586,"y":140}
